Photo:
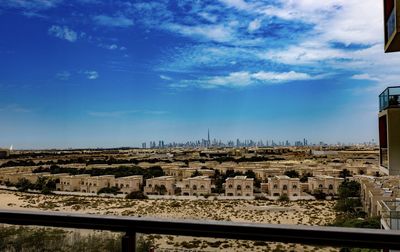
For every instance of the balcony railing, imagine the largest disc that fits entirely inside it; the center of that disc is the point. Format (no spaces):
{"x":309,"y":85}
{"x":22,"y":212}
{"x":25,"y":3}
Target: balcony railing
{"x":391,"y":214}
{"x":384,"y":157}
{"x":309,"y":235}
{"x":389,"y":98}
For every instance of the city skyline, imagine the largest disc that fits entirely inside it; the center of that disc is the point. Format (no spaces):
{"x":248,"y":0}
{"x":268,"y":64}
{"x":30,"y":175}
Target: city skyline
{"x":87,"y":73}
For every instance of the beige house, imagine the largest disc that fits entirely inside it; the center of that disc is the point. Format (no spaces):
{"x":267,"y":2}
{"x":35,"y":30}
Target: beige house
{"x":164,"y":185}
{"x":72,"y":183}
{"x":196,"y":186}
{"x":280,"y":185}
{"x":129,"y":184}
{"x":239,"y":186}
{"x":324,"y":183}
{"x":95,"y":183}
{"x":265,"y":173}
{"x":181,"y":172}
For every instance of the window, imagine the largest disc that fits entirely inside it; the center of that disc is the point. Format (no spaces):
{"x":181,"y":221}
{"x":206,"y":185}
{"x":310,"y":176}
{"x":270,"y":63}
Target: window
{"x":294,"y":186}
{"x":330,"y":187}
{"x":247,"y":187}
{"x":187,"y":186}
{"x":275,"y":186}
{"x":320,"y":186}
{"x":201,"y":187}
{"x":230,"y":186}
{"x":284,"y":187}
{"x":239,"y":187}
{"x":194,"y":187}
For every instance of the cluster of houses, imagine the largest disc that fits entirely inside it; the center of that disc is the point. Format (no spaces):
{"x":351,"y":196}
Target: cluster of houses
{"x":202,"y":185}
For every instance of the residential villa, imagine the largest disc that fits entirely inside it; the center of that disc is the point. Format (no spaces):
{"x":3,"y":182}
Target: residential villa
{"x":196,"y":186}
{"x":324,"y":183}
{"x":280,"y":185}
{"x":164,"y":185}
{"x":129,"y":184}
{"x":239,"y":186}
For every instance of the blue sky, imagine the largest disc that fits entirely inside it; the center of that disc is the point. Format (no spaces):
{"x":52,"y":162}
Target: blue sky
{"x":91,"y":73}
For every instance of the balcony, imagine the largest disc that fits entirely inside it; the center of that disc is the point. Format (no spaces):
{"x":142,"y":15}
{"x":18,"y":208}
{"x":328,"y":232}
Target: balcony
{"x":391,"y":214}
{"x":389,"y":98}
{"x":308,"y":235}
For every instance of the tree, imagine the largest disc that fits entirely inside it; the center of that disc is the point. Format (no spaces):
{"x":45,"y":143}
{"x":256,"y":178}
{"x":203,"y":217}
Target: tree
{"x":345,"y":173}
{"x":136,"y":195}
{"x":23,"y":185}
{"x":305,"y":176}
{"x":111,"y":190}
{"x":250,"y":174}
{"x":196,"y":173}
{"x":292,"y":174}
{"x":319,"y":195}
{"x":349,"y":197}
{"x":284,"y":197}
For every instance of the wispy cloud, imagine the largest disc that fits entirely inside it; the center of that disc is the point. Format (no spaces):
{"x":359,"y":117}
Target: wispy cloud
{"x":112,"y":47}
{"x":254,"y":25}
{"x":30,"y":4}
{"x":164,"y":77}
{"x":64,"y":75}
{"x":14,"y":108}
{"x":364,"y":77}
{"x":218,"y":33}
{"x":113,"y":21}
{"x":63,"y":32}
{"x":91,"y":75}
{"x":121,"y":113}
{"x":244,"y":79}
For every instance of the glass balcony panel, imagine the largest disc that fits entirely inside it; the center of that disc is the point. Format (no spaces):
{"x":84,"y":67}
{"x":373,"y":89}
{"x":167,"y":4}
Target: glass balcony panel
{"x":390,"y":98}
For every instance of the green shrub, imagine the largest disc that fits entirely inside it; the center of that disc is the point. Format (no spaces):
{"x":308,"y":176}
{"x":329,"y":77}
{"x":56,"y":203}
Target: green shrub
{"x":284,"y":197}
{"x":136,"y":195}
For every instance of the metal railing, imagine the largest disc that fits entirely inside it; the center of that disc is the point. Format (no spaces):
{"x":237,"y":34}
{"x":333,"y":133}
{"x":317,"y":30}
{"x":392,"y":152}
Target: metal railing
{"x":310,"y":235}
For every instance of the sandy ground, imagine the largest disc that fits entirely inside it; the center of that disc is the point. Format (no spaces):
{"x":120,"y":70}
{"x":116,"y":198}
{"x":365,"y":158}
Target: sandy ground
{"x":258,"y":211}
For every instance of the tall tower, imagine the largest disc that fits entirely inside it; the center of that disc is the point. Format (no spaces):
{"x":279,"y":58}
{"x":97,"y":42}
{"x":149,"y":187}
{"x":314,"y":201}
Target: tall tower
{"x":389,"y":131}
{"x":208,"y":138}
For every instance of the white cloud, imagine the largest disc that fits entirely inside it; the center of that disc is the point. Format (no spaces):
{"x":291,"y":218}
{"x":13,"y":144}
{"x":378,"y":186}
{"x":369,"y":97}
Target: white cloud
{"x":236,"y":79}
{"x":209,"y":17}
{"x":244,"y":79}
{"x":309,"y":52}
{"x":280,"y":77}
{"x":113,"y":21}
{"x":363,"y":77}
{"x":63,"y":32}
{"x":30,"y":4}
{"x":254,"y":25}
{"x":92,"y":75}
{"x":65,"y":75}
{"x":218,"y":33}
{"x":164,"y":77}
{"x":238,"y":4}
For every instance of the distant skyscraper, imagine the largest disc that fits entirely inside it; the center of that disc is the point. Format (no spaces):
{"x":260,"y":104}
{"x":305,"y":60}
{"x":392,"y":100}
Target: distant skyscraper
{"x":208,"y":137}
